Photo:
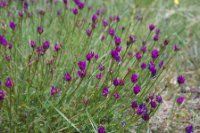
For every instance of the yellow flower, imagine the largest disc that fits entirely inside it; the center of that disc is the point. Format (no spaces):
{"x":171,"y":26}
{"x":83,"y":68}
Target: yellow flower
{"x":176,"y":2}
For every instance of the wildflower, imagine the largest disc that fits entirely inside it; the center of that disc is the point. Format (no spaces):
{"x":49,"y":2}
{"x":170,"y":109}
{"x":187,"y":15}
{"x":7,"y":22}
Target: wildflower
{"x":115,"y":54}
{"x":189,"y":129}
{"x":156,"y":38}
{"x":116,"y":95}
{"x":20,"y":14}
{"x":143,"y":66}
{"x":134,"y":105}
{"x":96,"y":56}
{"x":111,"y":32}
{"x":136,"y":89}
{"x":117,"y":18}
{"x":3,"y":41}
{"x":105,"y":91}
{"x":89,"y":56}
{"x":101,"y":67}
{"x":134,"y":78}
{"x":40,"y":29}
{"x":81,"y":5}
{"x":2,"y":95}
{"x":152,"y":69}
{"x":159,"y":99}
{"x":145,"y":117}
{"x":138,"y":56}
{"x":88,"y":32}
{"x":67,"y":77}
{"x":10,"y":46}
{"x":161,"y":64}
{"x":53,"y":91}
{"x":157,"y":32}
{"x":143,"y":49}
{"x":116,"y":82}
{"x":40,"y":51}
{"x":9,"y":83}
{"x":132,"y":39}
{"x":98,"y":76}
{"x":155,"y":53}
{"x":142,"y":109}
{"x":180,"y":99}
{"x":176,"y":48}
{"x":151,"y":27}
{"x":12,"y":25}
{"x":101,"y":129}
{"x":3,"y":3}
{"x":105,"y":23}
{"x":117,"y":40}
{"x":153,"y":104}
{"x":45,"y":45}
{"x":82,"y":65}
{"x":75,"y":11}
{"x":181,"y":79}
{"x":81,"y":73}
{"x":32,"y":44}
{"x":57,"y":47}
{"x":166,"y":42}
{"x":94,"y":18}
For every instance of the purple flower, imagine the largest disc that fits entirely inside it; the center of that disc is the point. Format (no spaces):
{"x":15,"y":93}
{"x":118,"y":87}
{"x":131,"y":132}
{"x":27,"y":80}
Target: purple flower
{"x":77,"y":2}
{"x":105,"y":91}
{"x":96,"y":56}
{"x":111,"y":32}
{"x":166,"y":42}
{"x":99,"y":76}
{"x":153,"y":104}
{"x":159,"y":99}
{"x":3,"y":3}
{"x":157,"y":32}
{"x":40,"y":29}
{"x":20,"y":14}
{"x":132,"y":39}
{"x":161,"y":64}
{"x":181,"y":79}
{"x":152,"y":69}
{"x":10,"y":46}
{"x":65,"y":1}
{"x":101,"y":129}
{"x":40,"y":51}
{"x":81,"y":5}
{"x":136,"y":89}
{"x":155,"y":53}
{"x":3,"y":41}
{"x":45,"y":45}
{"x":180,"y":99}
{"x":94,"y":18}
{"x":67,"y":77}
{"x":142,"y":109}
{"x":82,"y":65}
{"x":151,"y":27}
{"x":2,"y":95}
{"x":12,"y":25}
{"x":134,"y":78}
{"x":88,"y":32}
{"x":116,"y":82}
{"x":9,"y":83}
{"x":57,"y":47}
{"x":32,"y":44}
{"x":138,"y":56}
{"x":156,"y":38}
{"x":176,"y":48}
{"x":81,"y":73}
{"x":105,"y":23}
{"x":75,"y":11}
{"x":117,"y":18}
{"x":53,"y":91}
{"x":134,"y":105}
{"x":143,"y":49}
{"x":101,"y":67}
{"x":117,"y":40}
{"x":116,"y":95}
{"x":189,"y":129}
{"x":143,"y":66}
{"x":145,"y":117}
{"x":115,"y":54}
{"x":89,"y":56}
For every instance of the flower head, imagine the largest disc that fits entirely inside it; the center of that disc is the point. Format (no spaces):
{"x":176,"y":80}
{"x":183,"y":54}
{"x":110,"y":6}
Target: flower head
{"x":89,"y":56}
{"x":105,"y":23}
{"x":2,"y":95}
{"x":143,"y":49}
{"x":101,"y":129}
{"x":155,"y":53}
{"x":116,"y":95}
{"x":40,"y":29}
{"x":180,"y":99}
{"x":98,"y":76}
{"x":94,"y":18}
{"x":67,"y":77}
{"x":45,"y":45}
{"x":81,"y":73}
{"x":82,"y":65}
{"x":159,"y":99}
{"x":88,"y":32}
{"x":138,"y":56}
{"x":153,"y":104}
{"x":136,"y":89}
{"x":111,"y":32}
{"x":134,"y":78}
{"x":3,"y":41}
{"x":9,"y":83}
{"x":142,"y":109}
{"x":189,"y":129}
{"x":117,"y":40}
{"x":181,"y":79}
{"x":145,"y":117}
{"x":57,"y":47}
{"x":12,"y":25}
{"x":32,"y":44}
{"x":101,"y":67}
{"x":53,"y":91}
{"x":151,"y":27}
{"x":143,"y":66}
{"x":105,"y":91}
{"x":156,"y":38}
{"x":134,"y":104}
{"x":75,"y":11}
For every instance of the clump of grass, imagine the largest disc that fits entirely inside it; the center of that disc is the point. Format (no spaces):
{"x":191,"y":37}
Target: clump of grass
{"x":70,"y":68}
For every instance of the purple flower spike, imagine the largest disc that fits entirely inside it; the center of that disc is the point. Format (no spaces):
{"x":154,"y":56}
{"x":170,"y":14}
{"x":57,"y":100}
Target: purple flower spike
{"x":189,"y":129}
{"x":105,"y":23}
{"x":181,"y":79}
{"x":82,"y":65}
{"x":81,"y":73}
{"x":136,"y":89}
{"x":67,"y":77}
{"x":143,"y":66}
{"x":117,"y":40}
{"x":180,"y":99}
{"x":75,"y":11}
{"x":145,"y":117}
{"x":142,"y":109}
{"x":3,"y":41}
{"x":153,"y":104}
{"x":99,"y":76}
{"x":117,"y":18}
{"x":89,"y":56}
{"x":159,"y":99}
{"x":116,"y":82}
{"x":134,"y":105}
{"x":138,"y":56}
{"x":101,"y":129}
{"x":2,"y":95}
{"x":88,"y":32}
{"x":45,"y":45}
{"x":155,"y":53}
{"x":32,"y":44}
{"x":12,"y":25}
{"x":156,"y":38}
{"x":111,"y":32}
{"x":53,"y":91}
{"x":57,"y":47}
{"x":101,"y":67}
{"x":40,"y":29}
{"x":94,"y":18}
{"x":151,"y":27}
{"x":143,"y":49}
{"x":105,"y":92}
{"x":9,"y":83}
{"x":134,"y":78}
